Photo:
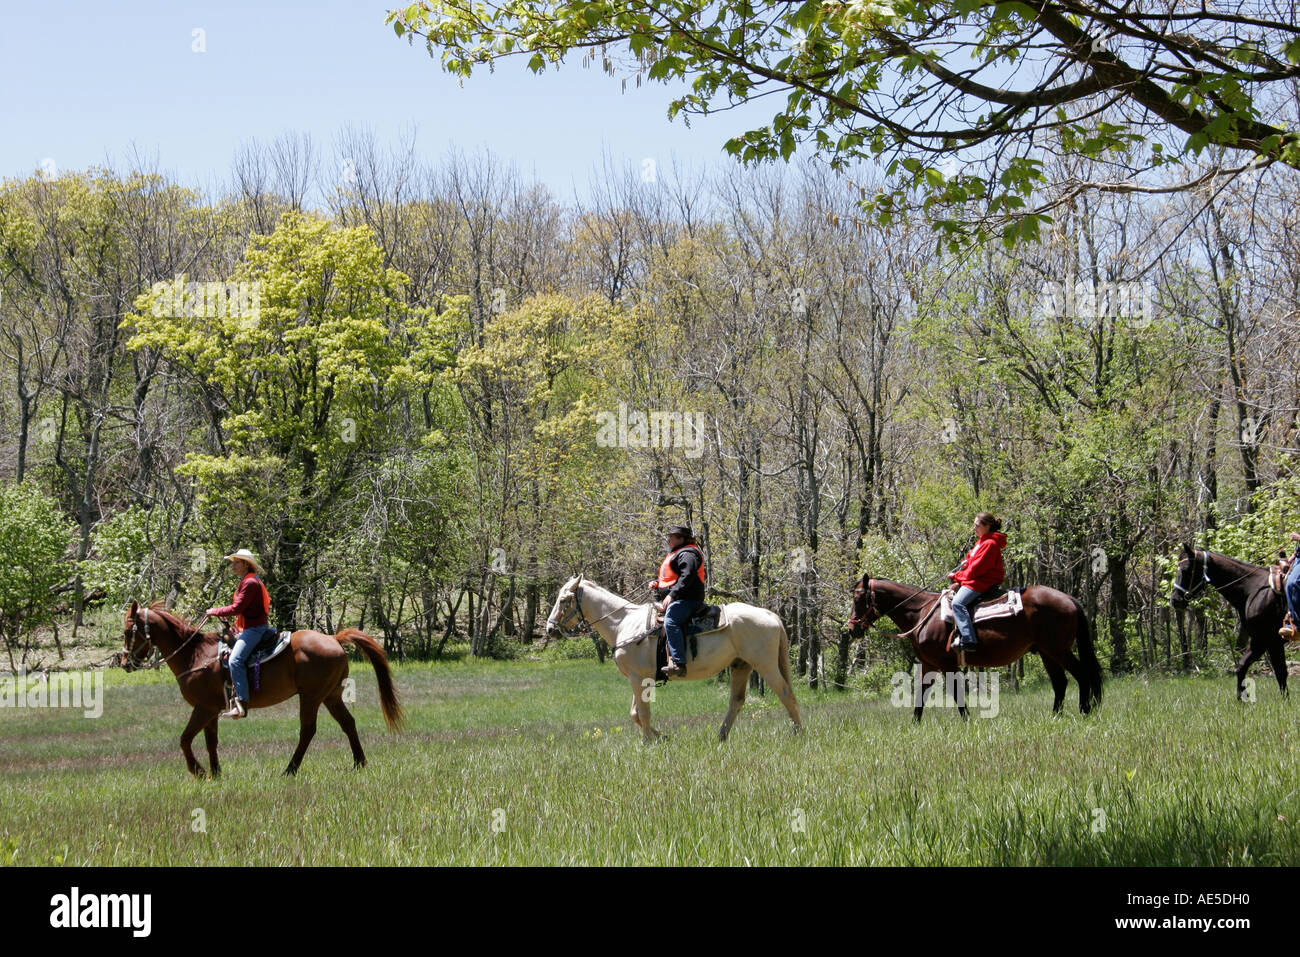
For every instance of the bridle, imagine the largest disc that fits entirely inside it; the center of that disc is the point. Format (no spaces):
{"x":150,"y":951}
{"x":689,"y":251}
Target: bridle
{"x":854,"y":621}
{"x":564,"y":624}
{"x":138,"y":654}
{"x":567,"y":626}
{"x":1189,"y":594}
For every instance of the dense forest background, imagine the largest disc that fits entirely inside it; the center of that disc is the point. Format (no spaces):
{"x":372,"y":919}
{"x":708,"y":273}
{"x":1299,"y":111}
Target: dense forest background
{"x":389,"y":378}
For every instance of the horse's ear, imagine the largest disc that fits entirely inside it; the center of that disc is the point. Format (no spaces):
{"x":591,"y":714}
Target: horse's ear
{"x":133,"y":610}
{"x":1188,"y":550}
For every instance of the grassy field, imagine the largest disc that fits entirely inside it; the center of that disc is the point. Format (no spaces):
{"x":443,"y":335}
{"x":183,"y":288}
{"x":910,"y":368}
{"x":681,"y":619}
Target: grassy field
{"x":537,"y":763}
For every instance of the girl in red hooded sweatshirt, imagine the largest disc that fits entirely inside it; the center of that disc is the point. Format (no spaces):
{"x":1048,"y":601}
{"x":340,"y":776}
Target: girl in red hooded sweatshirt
{"x":980,"y":572}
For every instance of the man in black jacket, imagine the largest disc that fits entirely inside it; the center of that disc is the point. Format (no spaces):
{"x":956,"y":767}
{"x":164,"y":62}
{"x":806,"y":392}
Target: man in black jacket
{"x":680,"y":586}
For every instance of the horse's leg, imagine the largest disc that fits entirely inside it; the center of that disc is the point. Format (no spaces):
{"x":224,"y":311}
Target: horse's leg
{"x":776,"y":680}
{"x":210,"y":739}
{"x":958,"y":686}
{"x":1056,"y":674}
{"x":927,"y":679}
{"x":1075,"y":667}
{"x":307,"y":709}
{"x":1243,"y":666}
{"x":641,"y":708}
{"x":1277,"y":658}
{"x":739,"y":682}
{"x":334,"y":704}
{"x":199,"y":719}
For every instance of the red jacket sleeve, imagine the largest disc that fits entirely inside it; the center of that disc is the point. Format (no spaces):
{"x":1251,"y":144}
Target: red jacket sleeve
{"x":248,"y":601}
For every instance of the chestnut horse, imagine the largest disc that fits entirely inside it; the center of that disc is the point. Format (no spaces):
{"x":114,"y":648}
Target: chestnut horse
{"x":1245,"y":587}
{"x":1051,"y":623}
{"x":313,"y":667}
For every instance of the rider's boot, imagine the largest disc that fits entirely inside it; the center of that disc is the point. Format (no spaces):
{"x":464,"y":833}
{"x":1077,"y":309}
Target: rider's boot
{"x":238,"y":710}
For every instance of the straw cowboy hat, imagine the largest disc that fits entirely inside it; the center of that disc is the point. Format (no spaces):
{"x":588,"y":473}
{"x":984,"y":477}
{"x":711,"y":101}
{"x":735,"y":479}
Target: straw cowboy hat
{"x":245,"y":555}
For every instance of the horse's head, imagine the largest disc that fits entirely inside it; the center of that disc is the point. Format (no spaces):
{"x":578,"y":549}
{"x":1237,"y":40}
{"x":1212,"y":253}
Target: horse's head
{"x":865,"y":611}
{"x":1193,"y":575}
{"x":136,"y":640}
{"x":566,"y":615}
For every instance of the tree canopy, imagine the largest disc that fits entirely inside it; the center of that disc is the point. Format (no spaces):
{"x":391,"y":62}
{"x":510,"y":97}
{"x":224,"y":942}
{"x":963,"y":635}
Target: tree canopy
{"x":959,"y":100}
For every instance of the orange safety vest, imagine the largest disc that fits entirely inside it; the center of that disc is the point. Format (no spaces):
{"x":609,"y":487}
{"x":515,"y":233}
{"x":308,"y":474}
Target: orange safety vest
{"x":668,"y":577}
{"x":266,"y":600}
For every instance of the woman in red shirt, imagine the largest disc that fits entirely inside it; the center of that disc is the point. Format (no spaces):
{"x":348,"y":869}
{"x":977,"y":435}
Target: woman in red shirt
{"x":250,"y":607}
{"x":980,"y":572}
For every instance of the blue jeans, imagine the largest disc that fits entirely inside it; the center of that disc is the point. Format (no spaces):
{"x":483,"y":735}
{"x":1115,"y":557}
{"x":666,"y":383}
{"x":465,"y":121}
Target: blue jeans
{"x":245,"y":645}
{"x":678,"y":613}
{"x":962,"y":603}
{"x":1292,"y":590}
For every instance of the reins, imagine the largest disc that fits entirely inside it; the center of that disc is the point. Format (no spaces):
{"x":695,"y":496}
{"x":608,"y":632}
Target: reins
{"x":582,"y":615}
{"x":871,"y":592}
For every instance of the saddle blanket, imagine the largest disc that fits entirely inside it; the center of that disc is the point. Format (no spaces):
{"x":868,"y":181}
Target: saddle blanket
{"x":1008,"y":606}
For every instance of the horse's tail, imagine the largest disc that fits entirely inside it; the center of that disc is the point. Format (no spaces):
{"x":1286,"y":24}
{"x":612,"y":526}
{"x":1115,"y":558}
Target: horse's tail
{"x":1088,"y":653}
{"x":383,"y":674}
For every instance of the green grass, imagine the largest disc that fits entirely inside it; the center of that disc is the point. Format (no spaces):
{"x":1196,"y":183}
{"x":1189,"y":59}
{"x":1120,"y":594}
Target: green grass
{"x":545,"y":750}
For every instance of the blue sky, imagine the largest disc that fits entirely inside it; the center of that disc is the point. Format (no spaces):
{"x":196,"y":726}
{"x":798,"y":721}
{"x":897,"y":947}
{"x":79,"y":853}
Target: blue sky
{"x":83,"y":83}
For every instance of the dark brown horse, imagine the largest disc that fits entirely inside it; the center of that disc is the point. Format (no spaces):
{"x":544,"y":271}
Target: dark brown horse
{"x":1245,"y":587}
{"x":313,"y":667}
{"x":1051,"y":624}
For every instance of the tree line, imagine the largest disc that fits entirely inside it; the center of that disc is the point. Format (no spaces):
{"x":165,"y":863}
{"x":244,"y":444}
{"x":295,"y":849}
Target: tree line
{"x":426,"y":393}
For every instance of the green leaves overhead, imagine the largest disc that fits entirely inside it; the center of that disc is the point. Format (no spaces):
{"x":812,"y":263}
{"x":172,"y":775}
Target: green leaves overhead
{"x":989,"y":85}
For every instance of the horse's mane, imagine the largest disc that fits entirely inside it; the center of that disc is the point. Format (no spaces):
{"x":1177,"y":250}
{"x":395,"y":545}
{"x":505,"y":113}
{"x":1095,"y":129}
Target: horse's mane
{"x":1236,"y":561}
{"x":160,"y":609}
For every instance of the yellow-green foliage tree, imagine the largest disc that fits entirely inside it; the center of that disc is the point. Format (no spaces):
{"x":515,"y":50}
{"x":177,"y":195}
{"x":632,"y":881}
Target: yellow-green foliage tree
{"x":302,"y":360}
{"x":536,"y":383}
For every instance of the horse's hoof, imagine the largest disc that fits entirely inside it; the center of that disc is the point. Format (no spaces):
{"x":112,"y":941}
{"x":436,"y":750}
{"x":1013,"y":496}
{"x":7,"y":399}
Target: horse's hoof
{"x":358,"y":765}
{"x":290,"y":771}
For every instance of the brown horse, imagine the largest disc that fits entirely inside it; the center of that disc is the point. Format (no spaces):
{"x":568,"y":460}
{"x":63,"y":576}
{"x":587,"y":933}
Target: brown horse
{"x":313,"y":667}
{"x":1051,"y":624}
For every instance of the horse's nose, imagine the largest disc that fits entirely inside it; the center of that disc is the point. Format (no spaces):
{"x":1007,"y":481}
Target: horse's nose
{"x":551,"y":630}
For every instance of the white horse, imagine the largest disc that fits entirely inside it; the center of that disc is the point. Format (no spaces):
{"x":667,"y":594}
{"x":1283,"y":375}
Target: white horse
{"x":753,"y":638}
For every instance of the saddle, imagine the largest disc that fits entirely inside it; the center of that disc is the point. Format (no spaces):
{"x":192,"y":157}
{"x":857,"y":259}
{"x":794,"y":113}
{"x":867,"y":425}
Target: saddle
{"x":994,"y":603}
{"x":266,"y":650}
{"x":708,"y":619}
